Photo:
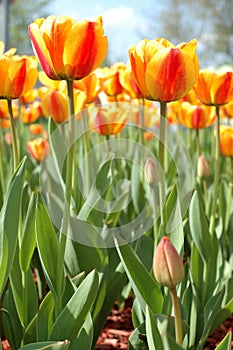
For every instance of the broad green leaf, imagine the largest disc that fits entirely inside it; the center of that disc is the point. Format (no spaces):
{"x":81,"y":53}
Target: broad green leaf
{"x":13,"y":328}
{"x":47,"y":244}
{"x":28,"y":243}
{"x":210,"y":311}
{"x":24,"y":291}
{"x":72,"y":317}
{"x":9,"y":220}
{"x":153,"y":336}
{"x":199,"y":227}
{"x":47,"y":345}
{"x":144,"y":286}
{"x":45,"y":317}
{"x":225,"y":343}
{"x":85,"y":336}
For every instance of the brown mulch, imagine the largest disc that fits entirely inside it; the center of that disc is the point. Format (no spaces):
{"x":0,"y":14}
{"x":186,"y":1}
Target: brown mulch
{"x":119,"y":326}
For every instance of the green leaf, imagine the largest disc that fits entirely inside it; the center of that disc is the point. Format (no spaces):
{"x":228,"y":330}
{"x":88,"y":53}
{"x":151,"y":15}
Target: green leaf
{"x":45,"y":317}
{"x":153,"y":336}
{"x":145,"y":287}
{"x":47,"y":244}
{"x":72,"y":317}
{"x":85,"y":337}
{"x":9,"y":220}
{"x":24,"y":291}
{"x":199,"y":227}
{"x":225,"y":343}
{"x":48,"y":345}
{"x":28,"y":243}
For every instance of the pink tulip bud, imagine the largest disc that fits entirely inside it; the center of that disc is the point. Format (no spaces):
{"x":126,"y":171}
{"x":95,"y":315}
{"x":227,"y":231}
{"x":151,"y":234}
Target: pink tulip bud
{"x":167,"y":265}
{"x":203,"y":168}
{"x":151,"y":172}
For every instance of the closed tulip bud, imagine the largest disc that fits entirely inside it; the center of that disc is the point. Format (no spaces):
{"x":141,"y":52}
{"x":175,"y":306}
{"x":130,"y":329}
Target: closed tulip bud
{"x":151,"y":172}
{"x":167,"y":265}
{"x":203,"y":168}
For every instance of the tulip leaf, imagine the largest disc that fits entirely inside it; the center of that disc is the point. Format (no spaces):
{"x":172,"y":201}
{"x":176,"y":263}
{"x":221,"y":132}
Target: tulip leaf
{"x":225,"y":343}
{"x":47,"y":345}
{"x":199,"y":227}
{"x":45,"y":320}
{"x":153,"y":336}
{"x":145,"y":287}
{"x":47,"y":244}
{"x":28,"y":243}
{"x":9,"y":220}
{"x":72,"y":317}
{"x":23,"y":286}
{"x":85,"y":337}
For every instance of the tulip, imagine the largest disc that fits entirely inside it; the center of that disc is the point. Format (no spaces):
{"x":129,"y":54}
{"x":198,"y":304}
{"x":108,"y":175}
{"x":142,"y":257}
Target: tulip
{"x":90,"y":85}
{"x":167,"y":265}
{"x":196,"y":116}
{"x":226,"y":140}
{"x":169,"y":271}
{"x":38,"y":149}
{"x":162,"y":71}
{"x":108,"y":121}
{"x":151,"y":172}
{"x":203,"y":168}
{"x":18,"y":75}
{"x":214,"y":89}
{"x":55,"y":104}
{"x":67,"y":49}
{"x":36,"y":129}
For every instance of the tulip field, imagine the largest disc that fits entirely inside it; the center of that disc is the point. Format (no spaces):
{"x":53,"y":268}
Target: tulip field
{"x":114,"y":182}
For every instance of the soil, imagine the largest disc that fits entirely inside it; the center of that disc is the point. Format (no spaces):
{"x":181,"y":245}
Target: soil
{"x":119,"y":327}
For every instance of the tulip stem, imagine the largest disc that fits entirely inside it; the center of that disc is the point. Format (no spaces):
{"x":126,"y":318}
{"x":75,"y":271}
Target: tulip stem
{"x":198,"y":143}
{"x":68,"y":196}
{"x":177,"y":315}
{"x":86,"y":150}
{"x":162,"y":144}
{"x":13,"y":135}
{"x":217,"y":173}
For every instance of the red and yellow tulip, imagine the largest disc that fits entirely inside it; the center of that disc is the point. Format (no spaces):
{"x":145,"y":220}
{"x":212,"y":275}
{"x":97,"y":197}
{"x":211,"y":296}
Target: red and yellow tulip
{"x":164,"y":72}
{"x":38,"y":149}
{"x":214,"y":89}
{"x":18,"y":75}
{"x":67,"y":49}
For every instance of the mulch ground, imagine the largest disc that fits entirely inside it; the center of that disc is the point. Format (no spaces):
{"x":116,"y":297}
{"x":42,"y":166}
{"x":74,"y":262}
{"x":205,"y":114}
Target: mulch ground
{"x":119,"y":326}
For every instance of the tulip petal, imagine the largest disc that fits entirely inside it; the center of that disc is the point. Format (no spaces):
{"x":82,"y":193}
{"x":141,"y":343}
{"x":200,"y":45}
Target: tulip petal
{"x":170,"y":74}
{"x":41,"y":51}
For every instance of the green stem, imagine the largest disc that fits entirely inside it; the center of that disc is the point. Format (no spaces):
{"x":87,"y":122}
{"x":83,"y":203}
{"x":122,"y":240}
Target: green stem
{"x":198,"y":143}
{"x":13,"y":135}
{"x":2,"y":165}
{"x":68,"y":196}
{"x":162,"y":144}
{"x":86,"y":150}
{"x":177,"y":315}
{"x":155,"y":214}
{"x":229,"y":196}
{"x":142,"y":122}
{"x":217,"y":173}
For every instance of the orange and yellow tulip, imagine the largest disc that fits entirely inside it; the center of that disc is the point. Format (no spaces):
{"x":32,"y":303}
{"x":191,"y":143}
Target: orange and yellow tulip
{"x":67,"y":49}
{"x":38,"y":149}
{"x":108,"y":121}
{"x":226,"y":140}
{"x":214,"y":89}
{"x":196,"y":116}
{"x":36,"y":129}
{"x":18,"y":75}
{"x":164,"y":72}
{"x":55,"y":104}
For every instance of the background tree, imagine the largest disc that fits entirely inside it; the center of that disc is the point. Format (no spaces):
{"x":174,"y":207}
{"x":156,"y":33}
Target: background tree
{"x":210,"y":21}
{"x":21,"y":14}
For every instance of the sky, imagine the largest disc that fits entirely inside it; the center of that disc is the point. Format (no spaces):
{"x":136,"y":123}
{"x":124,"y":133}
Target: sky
{"x":124,"y":21}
